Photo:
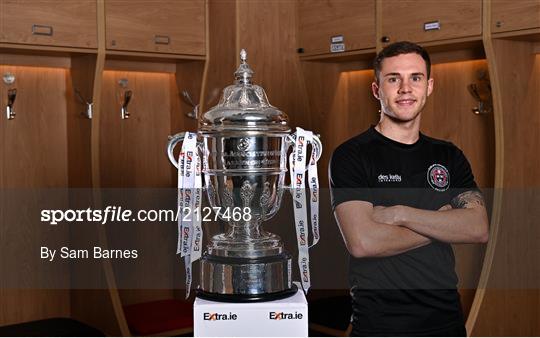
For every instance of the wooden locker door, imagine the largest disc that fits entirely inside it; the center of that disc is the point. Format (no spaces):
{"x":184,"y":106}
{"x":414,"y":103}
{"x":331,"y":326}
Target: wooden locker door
{"x":320,"y":20}
{"x":49,"y":22}
{"x":34,"y":159}
{"x":159,"y":26}
{"x":427,"y":20}
{"x":514,"y":15}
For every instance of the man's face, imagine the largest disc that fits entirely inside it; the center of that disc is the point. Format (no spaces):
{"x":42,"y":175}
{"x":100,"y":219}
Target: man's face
{"x":403,"y":87}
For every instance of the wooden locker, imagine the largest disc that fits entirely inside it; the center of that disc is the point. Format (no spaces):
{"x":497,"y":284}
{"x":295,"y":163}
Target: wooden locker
{"x":425,"y":20}
{"x":514,"y":15}
{"x":49,"y":22}
{"x":319,"y":21}
{"x":145,"y":26}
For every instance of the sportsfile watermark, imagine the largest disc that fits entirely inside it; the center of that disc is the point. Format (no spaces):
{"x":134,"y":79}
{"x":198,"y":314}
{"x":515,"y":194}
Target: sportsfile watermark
{"x":121,"y":214}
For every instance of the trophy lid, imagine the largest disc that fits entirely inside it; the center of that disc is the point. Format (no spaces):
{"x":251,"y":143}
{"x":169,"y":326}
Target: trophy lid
{"x":244,"y":106}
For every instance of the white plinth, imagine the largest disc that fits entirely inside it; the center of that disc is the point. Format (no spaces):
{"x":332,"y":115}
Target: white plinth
{"x":280,"y":318}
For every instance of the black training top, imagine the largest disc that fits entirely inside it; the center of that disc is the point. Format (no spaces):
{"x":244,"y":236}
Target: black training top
{"x":413,"y":291}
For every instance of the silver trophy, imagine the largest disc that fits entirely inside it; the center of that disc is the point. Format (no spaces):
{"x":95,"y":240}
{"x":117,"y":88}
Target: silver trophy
{"x":243,"y":142}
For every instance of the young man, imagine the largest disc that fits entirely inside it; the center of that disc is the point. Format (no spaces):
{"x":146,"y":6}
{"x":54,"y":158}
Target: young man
{"x":400,"y":198}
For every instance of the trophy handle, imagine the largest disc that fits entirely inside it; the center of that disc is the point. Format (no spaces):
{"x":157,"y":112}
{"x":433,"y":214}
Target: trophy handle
{"x":173,"y":140}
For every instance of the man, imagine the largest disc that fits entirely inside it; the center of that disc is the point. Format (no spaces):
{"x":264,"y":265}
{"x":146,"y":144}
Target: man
{"x":400,"y":198}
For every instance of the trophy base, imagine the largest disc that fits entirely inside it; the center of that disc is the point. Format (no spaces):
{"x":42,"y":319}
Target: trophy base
{"x":238,"y":298}
{"x":234,"y":279}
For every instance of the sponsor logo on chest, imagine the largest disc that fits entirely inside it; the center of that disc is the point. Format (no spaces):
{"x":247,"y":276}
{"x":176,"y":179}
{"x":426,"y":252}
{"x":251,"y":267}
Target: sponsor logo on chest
{"x":387,"y":178}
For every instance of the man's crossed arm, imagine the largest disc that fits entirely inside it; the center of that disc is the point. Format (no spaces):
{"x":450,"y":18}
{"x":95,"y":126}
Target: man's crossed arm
{"x":385,"y":231}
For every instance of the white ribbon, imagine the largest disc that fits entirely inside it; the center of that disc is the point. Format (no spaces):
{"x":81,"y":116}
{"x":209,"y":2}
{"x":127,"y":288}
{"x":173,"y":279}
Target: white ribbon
{"x":297,"y":164}
{"x":196,"y":246}
{"x":313,"y":178}
{"x":189,"y":203}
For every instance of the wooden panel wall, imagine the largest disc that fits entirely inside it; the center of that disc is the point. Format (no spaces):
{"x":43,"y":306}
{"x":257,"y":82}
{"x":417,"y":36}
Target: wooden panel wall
{"x":272,"y":54}
{"x":223,"y":53}
{"x":258,"y":27}
{"x":34,"y":155}
{"x":132,"y":156}
{"x":511,"y":302}
{"x":78,"y":124}
{"x":37,"y":159}
{"x":341,"y":105}
{"x":352,"y":110}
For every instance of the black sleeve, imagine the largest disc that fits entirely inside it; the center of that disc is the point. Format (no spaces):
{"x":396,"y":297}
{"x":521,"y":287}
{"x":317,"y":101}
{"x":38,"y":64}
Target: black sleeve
{"x":348,"y":178}
{"x":463,"y":178}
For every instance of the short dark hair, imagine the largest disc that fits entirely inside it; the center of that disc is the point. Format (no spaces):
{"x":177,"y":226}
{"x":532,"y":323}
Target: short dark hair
{"x":398,"y":48}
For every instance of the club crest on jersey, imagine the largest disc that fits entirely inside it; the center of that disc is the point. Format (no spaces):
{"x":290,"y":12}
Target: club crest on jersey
{"x":438,"y":177}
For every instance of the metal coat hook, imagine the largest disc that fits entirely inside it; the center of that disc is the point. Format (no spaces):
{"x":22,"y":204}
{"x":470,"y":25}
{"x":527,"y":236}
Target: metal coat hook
{"x":481,"y":92}
{"x":194,"y":114}
{"x":125,"y":97}
{"x":89,"y":105}
{"x":10,"y":113}
{"x":9,"y":79}
{"x":483,"y":98}
{"x":125,"y":101}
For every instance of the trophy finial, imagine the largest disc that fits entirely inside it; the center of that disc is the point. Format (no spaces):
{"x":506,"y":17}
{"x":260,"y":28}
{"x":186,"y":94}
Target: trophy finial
{"x":243,"y":74}
{"x":243,"y":56}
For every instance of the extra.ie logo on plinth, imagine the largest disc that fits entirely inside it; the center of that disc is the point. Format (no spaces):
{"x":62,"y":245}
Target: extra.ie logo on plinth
{"x":273,"y":315}
{"x":219,"y":316}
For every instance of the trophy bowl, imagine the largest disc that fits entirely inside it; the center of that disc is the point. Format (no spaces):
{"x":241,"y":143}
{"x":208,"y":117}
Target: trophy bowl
{"x":243,"y":142}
